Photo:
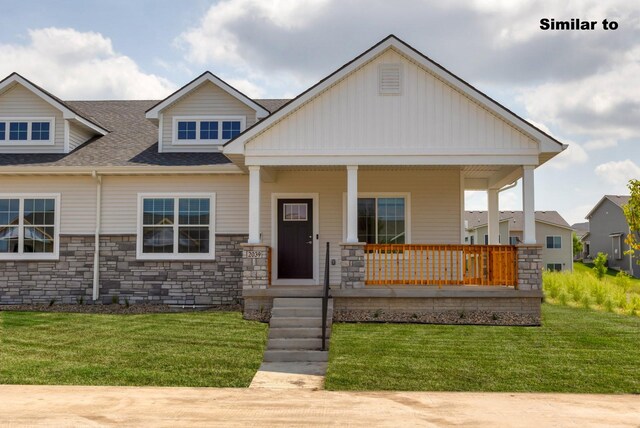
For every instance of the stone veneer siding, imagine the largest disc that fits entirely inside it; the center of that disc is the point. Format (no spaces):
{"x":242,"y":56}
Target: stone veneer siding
{"x":255,"y":265}
{"x":352,"y":265}
{"x":122,"y":276}
{"x":529,"y":267}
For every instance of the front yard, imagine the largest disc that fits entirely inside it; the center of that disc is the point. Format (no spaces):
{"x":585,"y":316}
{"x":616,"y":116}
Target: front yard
{"x":172,"y":349}
{"x":576,"y":350}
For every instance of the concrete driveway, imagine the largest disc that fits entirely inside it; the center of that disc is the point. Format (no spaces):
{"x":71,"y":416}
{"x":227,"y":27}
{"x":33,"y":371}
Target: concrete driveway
{"x":131,"y":406}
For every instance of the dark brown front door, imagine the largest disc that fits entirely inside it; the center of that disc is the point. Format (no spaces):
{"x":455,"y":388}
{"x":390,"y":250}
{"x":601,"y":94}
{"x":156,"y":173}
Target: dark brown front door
{"x":295,"y":238}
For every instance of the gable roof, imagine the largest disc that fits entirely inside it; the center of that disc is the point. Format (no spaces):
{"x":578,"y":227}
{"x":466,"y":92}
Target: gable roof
{"x":236,"y":145}
{"x":618,"y":200}
{"x":133,"y":142}
{"x":207,"y":76}
{"x":476,"y":219}
{"x":68,"y":112}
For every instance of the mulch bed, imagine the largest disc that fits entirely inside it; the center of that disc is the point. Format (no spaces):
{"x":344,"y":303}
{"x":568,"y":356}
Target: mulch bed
{"x":140,"y":308}
{"x":448,"y":317}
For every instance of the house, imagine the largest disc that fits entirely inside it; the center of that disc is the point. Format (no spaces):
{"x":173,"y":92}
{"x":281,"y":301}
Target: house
{"x":552,"y":231}
{"x":582,"y":233}
{"x":608,"y":229}
{"x":211,"y":197}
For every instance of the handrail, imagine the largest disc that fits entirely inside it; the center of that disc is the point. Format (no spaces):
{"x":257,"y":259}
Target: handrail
{"x":325,"y":300}
{"x":433,"y":264}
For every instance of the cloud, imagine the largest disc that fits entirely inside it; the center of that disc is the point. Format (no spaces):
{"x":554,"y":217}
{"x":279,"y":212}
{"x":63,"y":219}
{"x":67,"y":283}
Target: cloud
{"x":618,"y":173}
{"x":601,"y":144}
{"x":80,"y":65}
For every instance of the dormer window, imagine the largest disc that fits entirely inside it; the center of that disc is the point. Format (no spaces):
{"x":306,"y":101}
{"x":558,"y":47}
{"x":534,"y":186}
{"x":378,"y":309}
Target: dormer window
{"x":206,"y":129}
{"x":26,"y":131}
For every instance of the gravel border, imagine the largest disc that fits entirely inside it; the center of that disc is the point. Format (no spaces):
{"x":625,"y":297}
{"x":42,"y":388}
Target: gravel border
{"x":139,"y":308}
{"x":446,"y":317}
{"x":262,"y":316}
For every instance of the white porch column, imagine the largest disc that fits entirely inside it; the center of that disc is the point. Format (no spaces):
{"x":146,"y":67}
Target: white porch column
{"x":493,"y":220}
{"x":528,"y":207}
{"x":352,"y":204}
{"x":254,"y":205}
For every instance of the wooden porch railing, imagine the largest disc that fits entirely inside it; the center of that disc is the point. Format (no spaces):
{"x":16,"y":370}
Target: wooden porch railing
{"x":415,"y":264}
{"x":269,"y":260}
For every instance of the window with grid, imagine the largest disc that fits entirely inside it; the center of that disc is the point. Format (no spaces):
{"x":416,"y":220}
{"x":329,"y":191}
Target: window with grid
{"x":177,"y":227}
{"x":382,"y":220}
{"x":18,"y":131}
{"x":206,"y":129}
{"x":554,"y":267}
{"x":230,"y":129}
{"x":3,"y":129}
{"x":186,"y":130}
{"x":28,"y":227}
{"x":40,"y":131}
{"x":37,"y":130}
{"x":554,"y":242}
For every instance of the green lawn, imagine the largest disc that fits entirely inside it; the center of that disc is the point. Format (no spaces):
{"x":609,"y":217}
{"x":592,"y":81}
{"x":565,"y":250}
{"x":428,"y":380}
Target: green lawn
{"x":172,"y":349}
{"x":576,"y":350}
{"x":609,"y":277}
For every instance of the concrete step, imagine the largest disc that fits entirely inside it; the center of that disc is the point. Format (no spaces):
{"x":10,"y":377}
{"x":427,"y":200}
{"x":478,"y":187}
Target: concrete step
{"x":297,"y":302}
{"x":278,"y":312}
{"x":296,"y":322}
{"x":296,"y":343}
{"x":297,"y":332}
{"x":274,"y":356}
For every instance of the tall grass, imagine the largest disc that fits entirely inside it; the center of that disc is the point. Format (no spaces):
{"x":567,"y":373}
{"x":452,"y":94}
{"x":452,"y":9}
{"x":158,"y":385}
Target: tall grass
{"x":584,"y":289}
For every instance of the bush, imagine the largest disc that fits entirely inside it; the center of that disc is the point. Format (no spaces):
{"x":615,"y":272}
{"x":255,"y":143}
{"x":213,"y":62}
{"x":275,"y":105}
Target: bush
{"x":600,"y":265}
{"x":623,"y":280}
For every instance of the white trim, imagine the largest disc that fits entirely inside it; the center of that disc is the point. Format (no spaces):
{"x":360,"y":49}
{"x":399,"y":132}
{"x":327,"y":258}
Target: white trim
{"x":237,"y":146}
{"x":67,"y":113}
{"x":30,"y":120}
{"x":207,"y":76}
{"x":67,"y":137}
{"x":20,"y":255}
{"x":198,"y":120}
{"x":315,"y":197}
{"x":407,"y":210}
{"x":463,"y":225}
{"x":175,"y":255}
{"x":389,"y":159}
{"x":124,"y":170}
{"x":255,"y":236}
{"x":160,"y":132}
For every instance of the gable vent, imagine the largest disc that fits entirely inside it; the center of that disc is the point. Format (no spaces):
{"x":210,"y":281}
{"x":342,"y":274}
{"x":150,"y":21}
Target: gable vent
{"x":390,"y":79}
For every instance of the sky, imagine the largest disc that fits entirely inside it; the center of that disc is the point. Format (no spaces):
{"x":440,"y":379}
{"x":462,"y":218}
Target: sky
{"x":583,"y":87}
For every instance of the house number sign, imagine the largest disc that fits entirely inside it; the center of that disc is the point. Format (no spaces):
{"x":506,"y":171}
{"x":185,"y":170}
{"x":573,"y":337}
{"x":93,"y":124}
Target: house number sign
{"x":255,"y":254}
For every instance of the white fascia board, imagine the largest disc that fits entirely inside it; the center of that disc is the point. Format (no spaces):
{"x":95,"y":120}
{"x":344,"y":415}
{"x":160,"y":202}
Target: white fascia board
{"x":87,"y":170}
{"x":206,"y":77}
{"x":66,"y":112}
{"x":237,"y":146}
{"x":391,"y":160}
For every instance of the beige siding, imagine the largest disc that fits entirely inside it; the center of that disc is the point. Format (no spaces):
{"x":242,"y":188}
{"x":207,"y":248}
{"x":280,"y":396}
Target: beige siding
{"x":78,"y":136}
{"x":429,"y":117}
{"x":120,"y":199}
{"x":483,"y":230}
{"x":434,"y":198}
{"x":77,"y":199}
{"x":207,"y":99}
{"x":562,"y":255}
{"x":21,"y":102}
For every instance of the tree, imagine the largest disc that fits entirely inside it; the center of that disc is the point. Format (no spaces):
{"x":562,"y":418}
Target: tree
{"x":577,"y":245}
{"x":600,"y":265}
{"x":632,"y":213}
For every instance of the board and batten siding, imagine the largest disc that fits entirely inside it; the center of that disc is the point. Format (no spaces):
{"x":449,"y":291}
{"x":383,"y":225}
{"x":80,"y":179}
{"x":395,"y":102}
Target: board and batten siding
{"x":428,"y":117}
{"x":120,"y":199}
{"x":78,"y":136}
{"x":77,"y":198}
{"x":434,"y":198}
{"x":22,"y":103}
{"x":205,"y":100}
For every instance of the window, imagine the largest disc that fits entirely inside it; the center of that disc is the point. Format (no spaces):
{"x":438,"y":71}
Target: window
{"x":230,"y":129}
{"x":18,"y":131}
{"x":472,"y":240}
{"x":486,"y":239}
{"x":513,"y":240}
{"x":40,"y":131}
{"x":186,"y":130}
{"x":176,"y":227}
{"x":295,"y":212}
{"x":26,"y":131}
{"x":382,"y":220}
{"x":207,"y":129}
{"x":554,"y":242}
{"x":29,"y":226}
{"x":616,"y":245}
{"x":554,"y":267}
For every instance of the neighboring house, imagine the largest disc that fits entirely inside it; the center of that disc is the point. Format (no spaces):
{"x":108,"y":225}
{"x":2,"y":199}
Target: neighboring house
{"x":582,"y":232}
{"x":210,"y":197}
{"x":552,"y":232}
{"x":608,"y":229}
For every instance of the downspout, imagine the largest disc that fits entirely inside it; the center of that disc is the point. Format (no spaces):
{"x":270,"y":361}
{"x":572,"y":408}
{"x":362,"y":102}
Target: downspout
{"x":96,"y":252}
{"x":510,"y":186}
{"x":507,"y":187}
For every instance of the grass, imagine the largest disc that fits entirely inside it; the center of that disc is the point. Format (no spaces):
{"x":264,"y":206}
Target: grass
{"x":177,"y":349}
{"x":576,"y":350}
{"x":613,"y":293}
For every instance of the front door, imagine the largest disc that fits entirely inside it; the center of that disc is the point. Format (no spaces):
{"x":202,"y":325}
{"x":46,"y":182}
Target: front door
{"x":295,"y":238}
